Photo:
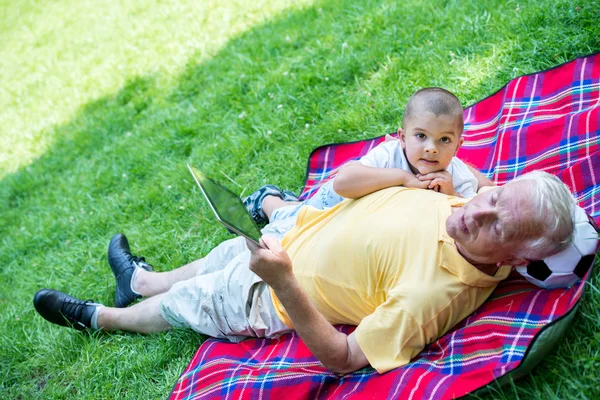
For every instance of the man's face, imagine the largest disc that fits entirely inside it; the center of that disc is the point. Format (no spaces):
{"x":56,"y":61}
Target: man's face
{"x":430,"y":141}
{"x":491,"y":227}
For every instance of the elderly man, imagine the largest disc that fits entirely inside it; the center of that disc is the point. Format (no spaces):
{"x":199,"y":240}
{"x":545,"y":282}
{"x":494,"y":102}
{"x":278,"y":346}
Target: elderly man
{"x":404,"y":265}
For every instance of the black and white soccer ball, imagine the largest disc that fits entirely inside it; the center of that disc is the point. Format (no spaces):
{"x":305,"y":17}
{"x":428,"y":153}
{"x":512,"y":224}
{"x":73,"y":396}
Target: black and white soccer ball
{"x":567,"y":267}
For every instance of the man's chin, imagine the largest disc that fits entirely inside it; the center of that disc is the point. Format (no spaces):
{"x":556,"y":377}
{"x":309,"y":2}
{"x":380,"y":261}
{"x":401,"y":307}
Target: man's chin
{"x":452,"y":227}
{"x":465,"y":254}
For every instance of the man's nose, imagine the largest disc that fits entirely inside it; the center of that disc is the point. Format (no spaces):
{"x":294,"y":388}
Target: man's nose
{"x":484,"y":214}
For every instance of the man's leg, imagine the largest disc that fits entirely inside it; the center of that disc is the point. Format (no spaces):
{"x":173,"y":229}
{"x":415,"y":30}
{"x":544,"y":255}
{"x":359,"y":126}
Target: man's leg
{"x":65,"y":310}
{"x":134,"y":276}
{"x":148,"y":283}
{"x":143,"y":317}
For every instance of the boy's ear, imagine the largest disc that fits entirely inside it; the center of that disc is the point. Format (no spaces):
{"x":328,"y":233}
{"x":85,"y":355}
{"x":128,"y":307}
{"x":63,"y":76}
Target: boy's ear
{"x":460,"y":142}
{"x":402,"y":138}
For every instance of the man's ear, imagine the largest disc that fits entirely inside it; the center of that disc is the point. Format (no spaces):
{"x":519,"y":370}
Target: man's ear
{"x":514,"y":261}
{"x":402,"y":137}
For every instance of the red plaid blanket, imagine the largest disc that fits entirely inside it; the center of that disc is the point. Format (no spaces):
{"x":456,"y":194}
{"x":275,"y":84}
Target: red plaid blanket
{"x":548,"y":120}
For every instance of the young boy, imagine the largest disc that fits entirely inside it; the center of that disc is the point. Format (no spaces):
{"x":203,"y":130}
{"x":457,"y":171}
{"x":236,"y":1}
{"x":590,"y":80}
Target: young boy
{"x":423,"y":157}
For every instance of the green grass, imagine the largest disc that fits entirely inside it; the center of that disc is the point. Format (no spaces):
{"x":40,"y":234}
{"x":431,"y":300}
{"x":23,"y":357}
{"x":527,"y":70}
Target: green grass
{"x":103,"y":103}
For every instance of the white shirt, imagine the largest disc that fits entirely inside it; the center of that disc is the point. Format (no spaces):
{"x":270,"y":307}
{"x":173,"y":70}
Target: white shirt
{"x":391,"y":155}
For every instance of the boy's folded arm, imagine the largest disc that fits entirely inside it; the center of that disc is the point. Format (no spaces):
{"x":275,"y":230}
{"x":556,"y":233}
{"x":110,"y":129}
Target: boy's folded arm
{"x":482,"y":180}
{"x":356,"y":180}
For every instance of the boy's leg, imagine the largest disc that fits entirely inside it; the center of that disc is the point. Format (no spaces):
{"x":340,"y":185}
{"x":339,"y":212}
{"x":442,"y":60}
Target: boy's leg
{"x":271,"y":203}
{"x":255,"y":203}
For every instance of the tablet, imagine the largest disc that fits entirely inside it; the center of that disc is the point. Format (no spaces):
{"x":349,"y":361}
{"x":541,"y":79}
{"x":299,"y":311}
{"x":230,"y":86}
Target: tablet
{"x":227,"y":207}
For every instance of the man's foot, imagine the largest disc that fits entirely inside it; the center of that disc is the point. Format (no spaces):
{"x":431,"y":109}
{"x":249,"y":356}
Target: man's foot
{"x":64,"y":310}
{"x":254,"y":202}
{"x":123,"y":265}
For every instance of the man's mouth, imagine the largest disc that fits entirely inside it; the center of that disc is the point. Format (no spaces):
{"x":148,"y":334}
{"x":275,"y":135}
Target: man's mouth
{"x":463,"y":226}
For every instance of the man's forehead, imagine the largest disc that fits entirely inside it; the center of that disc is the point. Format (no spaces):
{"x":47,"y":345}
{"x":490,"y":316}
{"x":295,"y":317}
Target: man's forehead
{"x":515,"y":196}
{"x":517,"y":190}
{"x":517,"y":206}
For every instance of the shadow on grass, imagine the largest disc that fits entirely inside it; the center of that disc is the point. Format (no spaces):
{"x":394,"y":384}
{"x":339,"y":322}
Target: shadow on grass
{"x":250,"y":115}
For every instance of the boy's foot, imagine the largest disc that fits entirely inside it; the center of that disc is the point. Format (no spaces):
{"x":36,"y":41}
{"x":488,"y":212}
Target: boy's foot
{"x":254,"y":202}
{"x":288,"y":195}
{"x":64,"y":310}
{"x":123,"y":265}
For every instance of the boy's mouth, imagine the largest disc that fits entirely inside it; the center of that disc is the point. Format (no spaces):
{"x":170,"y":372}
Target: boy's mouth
{"x":429,"y":162}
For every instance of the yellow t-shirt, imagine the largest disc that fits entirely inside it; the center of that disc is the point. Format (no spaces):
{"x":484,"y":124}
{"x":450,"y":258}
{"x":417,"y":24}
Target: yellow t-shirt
{"x":386,"y":263}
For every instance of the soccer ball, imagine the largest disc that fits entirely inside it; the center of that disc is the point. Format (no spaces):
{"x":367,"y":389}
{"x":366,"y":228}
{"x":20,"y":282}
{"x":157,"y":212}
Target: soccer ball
{"x":571,"y":264}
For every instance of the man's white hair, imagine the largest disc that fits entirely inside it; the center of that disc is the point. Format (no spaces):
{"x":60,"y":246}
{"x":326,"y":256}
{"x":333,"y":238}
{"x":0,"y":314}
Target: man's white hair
{"x":554,"y":208}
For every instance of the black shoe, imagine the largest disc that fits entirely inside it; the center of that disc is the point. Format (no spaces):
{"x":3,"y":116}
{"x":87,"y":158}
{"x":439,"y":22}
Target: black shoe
{"x":64,"y":310}
{"x":254,"y":202}
{"x":123,"y":264}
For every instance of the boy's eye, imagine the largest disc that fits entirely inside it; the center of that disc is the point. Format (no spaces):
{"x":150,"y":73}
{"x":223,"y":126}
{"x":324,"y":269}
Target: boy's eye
{"x":445,"y":139}
{"x":420,"y":135}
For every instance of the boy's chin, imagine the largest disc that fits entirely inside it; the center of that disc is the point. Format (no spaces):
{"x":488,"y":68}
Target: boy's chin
{"x":427,"y":170}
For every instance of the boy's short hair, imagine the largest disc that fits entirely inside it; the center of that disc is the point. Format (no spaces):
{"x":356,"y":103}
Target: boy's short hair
{"x":435,"y":100}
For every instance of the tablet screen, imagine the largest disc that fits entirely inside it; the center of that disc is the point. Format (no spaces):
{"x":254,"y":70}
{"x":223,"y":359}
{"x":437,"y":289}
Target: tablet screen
{"x":227,"y":206}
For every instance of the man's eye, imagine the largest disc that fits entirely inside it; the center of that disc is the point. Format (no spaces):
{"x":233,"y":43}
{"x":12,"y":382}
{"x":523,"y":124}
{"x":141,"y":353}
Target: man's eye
{"x":498,"y":229}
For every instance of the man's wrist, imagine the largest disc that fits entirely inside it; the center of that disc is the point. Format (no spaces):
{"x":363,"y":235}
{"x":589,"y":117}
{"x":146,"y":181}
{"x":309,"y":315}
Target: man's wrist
{"x":285,"y":286}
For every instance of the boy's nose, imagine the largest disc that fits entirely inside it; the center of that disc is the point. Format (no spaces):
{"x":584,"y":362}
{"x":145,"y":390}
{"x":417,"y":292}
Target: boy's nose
{"x":430,"y":148}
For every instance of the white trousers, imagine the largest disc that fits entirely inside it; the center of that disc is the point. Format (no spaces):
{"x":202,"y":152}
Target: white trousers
{"x":225,"y":299}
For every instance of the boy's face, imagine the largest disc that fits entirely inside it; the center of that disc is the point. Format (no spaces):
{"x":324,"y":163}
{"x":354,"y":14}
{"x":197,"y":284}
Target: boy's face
{"x":430,"y":141}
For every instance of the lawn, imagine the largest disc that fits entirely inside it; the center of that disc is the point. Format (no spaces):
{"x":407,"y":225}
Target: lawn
{"x":103,"y":103}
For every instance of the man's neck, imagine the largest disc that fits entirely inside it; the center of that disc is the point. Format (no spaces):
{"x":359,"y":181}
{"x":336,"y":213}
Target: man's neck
{"x":489,"y":269}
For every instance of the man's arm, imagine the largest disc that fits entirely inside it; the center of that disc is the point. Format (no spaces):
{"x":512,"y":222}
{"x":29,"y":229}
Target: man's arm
{"x":337,"y":351}
{"x":356,"y":180}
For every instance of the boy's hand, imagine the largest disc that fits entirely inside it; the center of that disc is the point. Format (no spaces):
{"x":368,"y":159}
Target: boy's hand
{"x":413,"y":181}
{"x":440,"y":181}
{"x":271,"y":262}
{"x":389,"y":138}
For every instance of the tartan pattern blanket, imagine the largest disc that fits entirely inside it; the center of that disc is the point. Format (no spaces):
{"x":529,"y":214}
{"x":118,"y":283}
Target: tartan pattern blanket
{"x":548,"y":120}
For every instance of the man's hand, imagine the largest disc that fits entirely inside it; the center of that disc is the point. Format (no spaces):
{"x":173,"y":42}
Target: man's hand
{"x":338,"y":352}
{"x":440,"y":181}
{"x":271,"y":262}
